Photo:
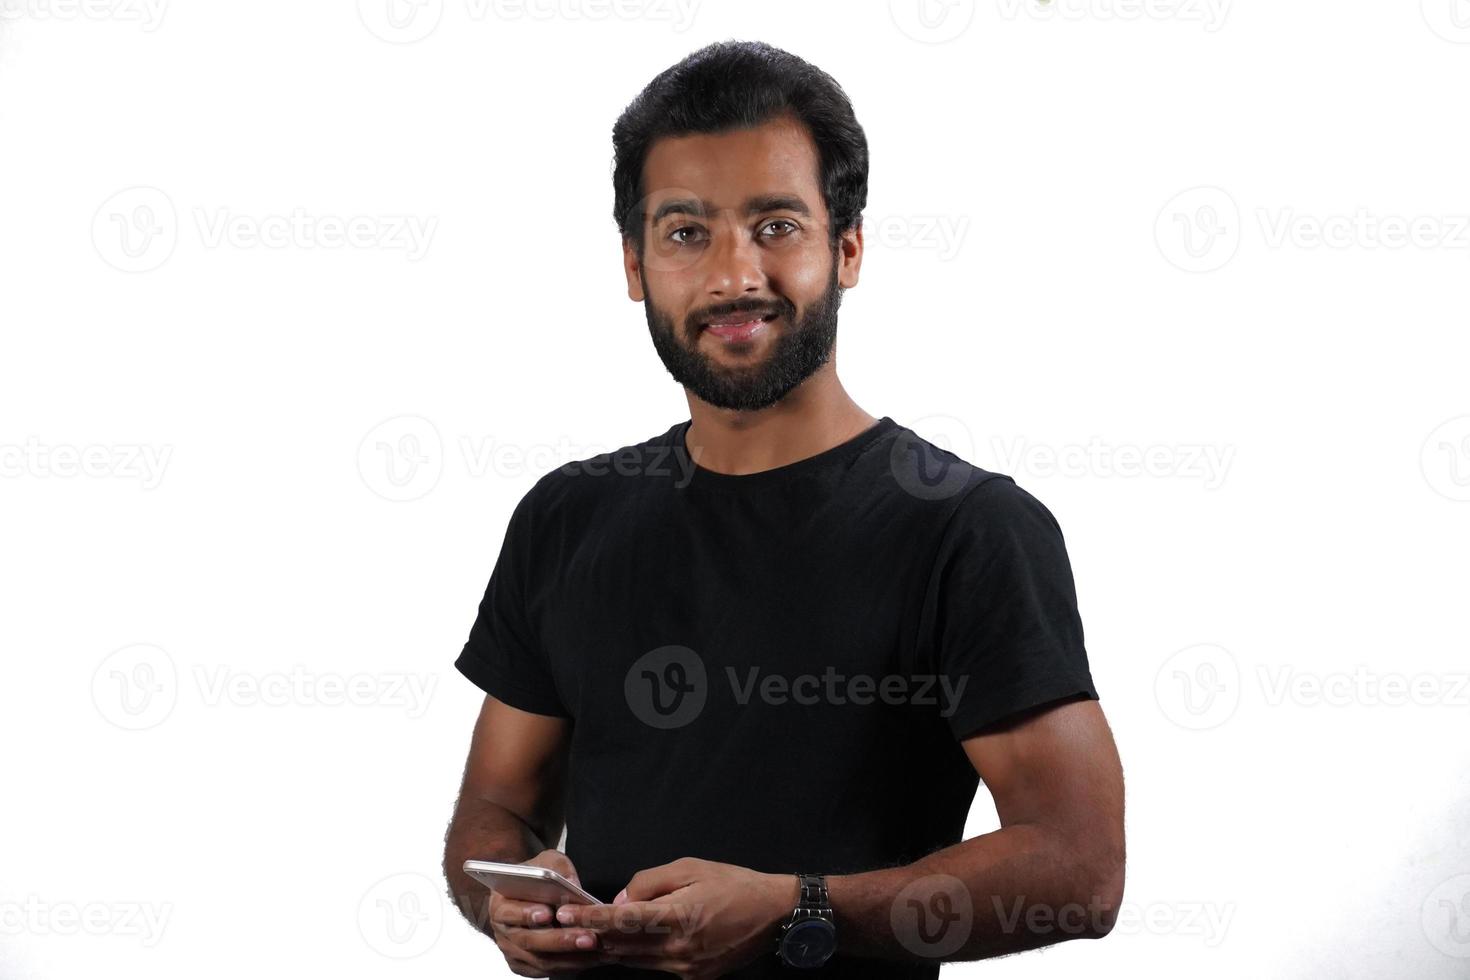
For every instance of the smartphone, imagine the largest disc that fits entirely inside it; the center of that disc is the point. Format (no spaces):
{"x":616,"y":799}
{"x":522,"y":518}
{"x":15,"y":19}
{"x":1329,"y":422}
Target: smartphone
{"x":528,"y":883}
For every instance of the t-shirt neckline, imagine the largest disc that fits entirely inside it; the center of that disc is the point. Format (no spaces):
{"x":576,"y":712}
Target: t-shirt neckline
{"x":699,"y":476}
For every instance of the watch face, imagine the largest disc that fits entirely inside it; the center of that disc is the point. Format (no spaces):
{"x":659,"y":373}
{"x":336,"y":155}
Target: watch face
{"x":809,"y":942}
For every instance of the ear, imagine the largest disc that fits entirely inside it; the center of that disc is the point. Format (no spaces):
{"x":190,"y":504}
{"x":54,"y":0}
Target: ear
{"x":850,"y":255}
{"x":631,"y":268}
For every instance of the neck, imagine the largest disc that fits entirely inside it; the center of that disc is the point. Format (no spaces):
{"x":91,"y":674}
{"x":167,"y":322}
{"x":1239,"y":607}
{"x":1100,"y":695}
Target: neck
{"x":817,"y":415}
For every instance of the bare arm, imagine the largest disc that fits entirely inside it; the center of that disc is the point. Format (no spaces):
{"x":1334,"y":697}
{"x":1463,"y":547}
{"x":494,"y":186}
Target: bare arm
{"x":511,"y":802}
{"x":1054,"y":870}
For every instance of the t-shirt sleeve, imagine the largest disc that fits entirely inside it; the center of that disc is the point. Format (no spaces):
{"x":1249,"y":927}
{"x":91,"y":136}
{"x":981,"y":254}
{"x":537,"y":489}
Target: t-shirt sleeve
{"x":503,"y":655}
{"x":1005,"y":610}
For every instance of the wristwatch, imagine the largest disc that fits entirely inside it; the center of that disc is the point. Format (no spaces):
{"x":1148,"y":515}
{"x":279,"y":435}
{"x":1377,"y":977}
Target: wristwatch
{"x":809,"y":937}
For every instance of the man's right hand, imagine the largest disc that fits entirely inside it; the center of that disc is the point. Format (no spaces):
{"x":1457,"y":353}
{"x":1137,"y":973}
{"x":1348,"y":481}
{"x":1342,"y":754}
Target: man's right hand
{"x":527,"y":932}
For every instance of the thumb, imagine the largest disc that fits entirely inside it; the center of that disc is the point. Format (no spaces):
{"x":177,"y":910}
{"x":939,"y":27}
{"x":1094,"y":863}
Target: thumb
{"x":561,"y":864}
{"x":650,"y":883}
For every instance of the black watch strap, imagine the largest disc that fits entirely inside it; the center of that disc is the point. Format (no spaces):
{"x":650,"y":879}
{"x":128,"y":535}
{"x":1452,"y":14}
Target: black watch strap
{"x":812,"y":903}
{"x":813,"y":895}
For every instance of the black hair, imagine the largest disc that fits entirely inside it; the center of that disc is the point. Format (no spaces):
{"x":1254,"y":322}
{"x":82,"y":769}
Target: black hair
{"x":739,"y":84}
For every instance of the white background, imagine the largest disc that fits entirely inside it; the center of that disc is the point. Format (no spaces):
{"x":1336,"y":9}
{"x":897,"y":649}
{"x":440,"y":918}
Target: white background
{"x":1228,"y":238}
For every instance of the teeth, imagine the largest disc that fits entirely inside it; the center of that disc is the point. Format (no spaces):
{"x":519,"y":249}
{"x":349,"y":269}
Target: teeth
{"x":761,"y":319}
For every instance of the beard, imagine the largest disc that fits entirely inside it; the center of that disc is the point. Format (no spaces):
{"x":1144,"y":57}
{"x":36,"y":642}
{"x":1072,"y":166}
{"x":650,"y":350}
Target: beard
{"x":795,"y":356}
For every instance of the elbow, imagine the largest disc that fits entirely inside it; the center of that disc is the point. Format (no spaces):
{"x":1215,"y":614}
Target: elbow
{"x":1103,"y":879}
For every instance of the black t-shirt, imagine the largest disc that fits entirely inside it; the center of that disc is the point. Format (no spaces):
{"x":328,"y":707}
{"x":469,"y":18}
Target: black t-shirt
{"x":776,"y":670}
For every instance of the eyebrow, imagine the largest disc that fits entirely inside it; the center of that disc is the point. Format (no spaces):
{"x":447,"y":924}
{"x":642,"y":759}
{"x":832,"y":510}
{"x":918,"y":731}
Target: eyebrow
{"x":755,"y":205}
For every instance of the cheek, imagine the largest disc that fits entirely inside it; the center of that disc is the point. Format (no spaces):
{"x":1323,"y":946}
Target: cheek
{"x":669,"y":293}
{"x":801,"y":278}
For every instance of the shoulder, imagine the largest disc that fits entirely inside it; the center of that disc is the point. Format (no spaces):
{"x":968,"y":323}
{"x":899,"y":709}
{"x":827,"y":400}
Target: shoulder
{"x":581,"y":487}
{"x":964,"y":495}
{"x":927,"y":471}
{"x":1001,"y":500}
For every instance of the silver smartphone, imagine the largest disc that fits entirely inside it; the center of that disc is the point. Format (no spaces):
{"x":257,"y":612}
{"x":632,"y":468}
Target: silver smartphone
{"x":528,"y":883}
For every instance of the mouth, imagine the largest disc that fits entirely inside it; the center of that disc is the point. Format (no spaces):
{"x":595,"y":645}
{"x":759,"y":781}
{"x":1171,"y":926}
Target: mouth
{"x":737,"y":327}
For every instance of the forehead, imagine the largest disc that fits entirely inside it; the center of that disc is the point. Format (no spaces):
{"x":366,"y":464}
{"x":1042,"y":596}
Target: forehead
{"x":728,"y":168}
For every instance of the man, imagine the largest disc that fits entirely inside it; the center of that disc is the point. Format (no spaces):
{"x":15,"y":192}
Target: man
{"x":756,"y":666}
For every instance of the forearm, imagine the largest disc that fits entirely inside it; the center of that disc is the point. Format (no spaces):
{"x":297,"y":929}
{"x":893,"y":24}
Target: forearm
{"x":483,"y":831}
{"x":1021,"y":887}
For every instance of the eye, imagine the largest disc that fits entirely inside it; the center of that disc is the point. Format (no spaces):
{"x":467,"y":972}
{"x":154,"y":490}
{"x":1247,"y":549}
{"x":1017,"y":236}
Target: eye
{"x":782,"y":221}
{"x":682,"y":229}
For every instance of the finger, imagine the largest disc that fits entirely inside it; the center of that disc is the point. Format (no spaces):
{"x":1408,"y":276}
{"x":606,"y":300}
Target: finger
{"x":658,"y":918}
{"x":632,"y":915}
{"x":558,"y":862}
{"x":554,"y":963}
{"x":551,"y":940}
{"x":652,"y":882}
{"x":510,"y":911}
{"x":600,"y":916}
{"x":635,"y":945}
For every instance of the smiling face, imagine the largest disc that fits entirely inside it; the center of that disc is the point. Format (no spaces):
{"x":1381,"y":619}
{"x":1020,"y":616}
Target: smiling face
{"x":739,"y":277}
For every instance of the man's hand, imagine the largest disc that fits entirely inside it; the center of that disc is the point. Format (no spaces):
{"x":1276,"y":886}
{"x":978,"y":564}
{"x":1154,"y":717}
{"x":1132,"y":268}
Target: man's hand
{"x":532,"y":944}
{"x":692,"y":918}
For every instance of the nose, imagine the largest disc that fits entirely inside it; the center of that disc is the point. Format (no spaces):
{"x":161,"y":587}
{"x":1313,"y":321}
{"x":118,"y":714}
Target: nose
{"x":734,"y":261}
